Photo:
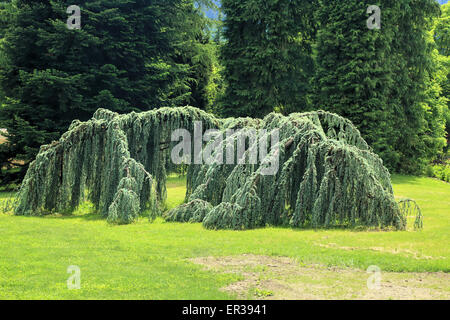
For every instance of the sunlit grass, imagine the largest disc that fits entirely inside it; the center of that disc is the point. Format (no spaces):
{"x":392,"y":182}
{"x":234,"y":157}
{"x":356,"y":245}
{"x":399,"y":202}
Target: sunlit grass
{"x":176,"y":191}
{"x":149,"y":260}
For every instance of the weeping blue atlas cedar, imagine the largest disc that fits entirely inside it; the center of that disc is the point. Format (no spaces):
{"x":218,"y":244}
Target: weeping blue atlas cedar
{"x":328,"y":176}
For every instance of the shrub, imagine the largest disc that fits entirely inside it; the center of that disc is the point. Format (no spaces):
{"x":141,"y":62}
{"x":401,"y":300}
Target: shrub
{"x":440,"y":171}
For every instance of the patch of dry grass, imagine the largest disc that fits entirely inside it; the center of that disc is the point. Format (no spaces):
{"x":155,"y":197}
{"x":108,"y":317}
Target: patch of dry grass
{"x":277,"y":278}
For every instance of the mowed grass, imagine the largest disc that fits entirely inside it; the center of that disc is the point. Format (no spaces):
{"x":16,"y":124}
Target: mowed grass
{"x":151,"y":260}
{"x":176,"y":191}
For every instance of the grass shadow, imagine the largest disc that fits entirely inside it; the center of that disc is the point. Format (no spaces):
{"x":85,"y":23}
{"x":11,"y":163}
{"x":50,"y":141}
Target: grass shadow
{"x":86,"y":217}
{"x":346,"y":228}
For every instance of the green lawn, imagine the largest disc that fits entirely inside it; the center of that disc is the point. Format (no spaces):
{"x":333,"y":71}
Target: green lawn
{"x":150,"y":260}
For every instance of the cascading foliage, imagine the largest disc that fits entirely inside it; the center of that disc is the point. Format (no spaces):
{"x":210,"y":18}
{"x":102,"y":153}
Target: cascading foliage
{"x":118,"y":162}
{"x":327,"y":175}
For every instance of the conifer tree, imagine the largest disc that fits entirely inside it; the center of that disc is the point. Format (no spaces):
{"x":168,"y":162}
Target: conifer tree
{"x":378,"y":77}
{"x":267,"y":55}
{"x":127,"y":56}
{"x":322,"y":172}
{"x":353,"y":75}
{"x":416,"y":118}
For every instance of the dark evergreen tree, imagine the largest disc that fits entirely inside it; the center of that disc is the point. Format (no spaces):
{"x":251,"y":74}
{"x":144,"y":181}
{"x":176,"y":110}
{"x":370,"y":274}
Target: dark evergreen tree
{"x":267,"y":55}
{"x":416,"y":133}
{"x":127,"y":56}
{"x":378,"y":77}
{"x":353,"y":75}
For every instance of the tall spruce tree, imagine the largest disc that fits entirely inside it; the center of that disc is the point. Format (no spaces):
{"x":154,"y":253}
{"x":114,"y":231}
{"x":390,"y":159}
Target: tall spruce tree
{"x":267,"y":55}
{"x":353,"y":74}
{"x":378,"y":77}
{"x":127,"y":56}
{"x":416,"y":118}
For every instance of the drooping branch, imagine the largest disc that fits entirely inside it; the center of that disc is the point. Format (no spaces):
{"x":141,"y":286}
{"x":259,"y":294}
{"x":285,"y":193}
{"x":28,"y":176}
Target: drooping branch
{"x":113,"y":160}
{"x":328,"y":177}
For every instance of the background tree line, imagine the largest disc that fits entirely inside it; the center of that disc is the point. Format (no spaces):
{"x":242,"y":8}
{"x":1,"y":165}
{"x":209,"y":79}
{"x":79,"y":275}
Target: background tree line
{"x":258,"y":56}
